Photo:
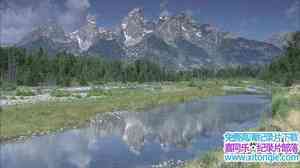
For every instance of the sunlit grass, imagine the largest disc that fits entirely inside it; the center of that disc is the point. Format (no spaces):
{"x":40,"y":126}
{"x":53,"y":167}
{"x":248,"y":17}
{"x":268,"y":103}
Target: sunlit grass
{"x":280,"y":105}
{"x":24,"y":120}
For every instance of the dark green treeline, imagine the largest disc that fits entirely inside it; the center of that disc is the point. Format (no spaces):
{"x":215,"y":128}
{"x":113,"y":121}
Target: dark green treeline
{"x":286,"y":69}
{"x":38,"y":68}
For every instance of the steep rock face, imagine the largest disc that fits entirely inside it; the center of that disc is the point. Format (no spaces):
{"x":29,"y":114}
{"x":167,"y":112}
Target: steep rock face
{"x":241,"y":51}
{"x":196,"y":44}
{"x":107,"y":44}
{"x":183,"y":26}
{"x":155,"y":49}
{"x":87,"y":34}
{"x":133,"y":27}
{"x":203,"y":44}
{"x":106,"y":34}
{"x":50,"y":37}
{"x":191,"y":56}
{"x":107,"y":48}
{"x":141,"y":41}
{"x":172,"y":28}
{"x":282,"y":40}
{"x":169,"y":41}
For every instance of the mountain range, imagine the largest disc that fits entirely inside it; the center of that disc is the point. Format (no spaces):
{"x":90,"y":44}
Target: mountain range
{"x":177,"y":41}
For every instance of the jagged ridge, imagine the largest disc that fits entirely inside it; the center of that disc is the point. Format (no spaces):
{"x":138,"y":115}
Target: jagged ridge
{"x":177,"y":41}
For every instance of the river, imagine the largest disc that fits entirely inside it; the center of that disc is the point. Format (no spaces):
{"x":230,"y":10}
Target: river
{"x":166,"y":134}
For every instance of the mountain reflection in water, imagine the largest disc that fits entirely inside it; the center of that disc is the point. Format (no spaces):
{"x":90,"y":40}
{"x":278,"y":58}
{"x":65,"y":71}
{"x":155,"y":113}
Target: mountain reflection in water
{"x":140,"y":139}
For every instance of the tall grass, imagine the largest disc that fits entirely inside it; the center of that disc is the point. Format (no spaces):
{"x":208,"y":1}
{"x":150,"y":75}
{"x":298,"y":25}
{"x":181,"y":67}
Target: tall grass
{"x":280,"y":102}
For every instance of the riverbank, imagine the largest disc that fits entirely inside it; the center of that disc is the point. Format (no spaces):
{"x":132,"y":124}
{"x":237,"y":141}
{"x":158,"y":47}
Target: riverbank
{"x":285,"y":117}
{"x":67,"y":111}
{"x":70,"y":108}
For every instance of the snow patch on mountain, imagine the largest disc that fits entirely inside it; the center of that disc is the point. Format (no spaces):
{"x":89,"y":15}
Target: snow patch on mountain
{"x":199,"y":34}
{"x":87,"y":34}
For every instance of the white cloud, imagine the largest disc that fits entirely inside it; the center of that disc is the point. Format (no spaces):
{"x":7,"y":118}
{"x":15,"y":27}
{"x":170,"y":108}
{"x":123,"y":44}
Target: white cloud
{"x":293,"y":10}
{"x":76,"y":13}
{"x":293,"y":13}
{"x":15,"y":24}
{"x":19,"y":17}
{"x":165,"y":13}
{"x":78,"y":4}
{"x":164,"y":8}
{"x":164,"y":4}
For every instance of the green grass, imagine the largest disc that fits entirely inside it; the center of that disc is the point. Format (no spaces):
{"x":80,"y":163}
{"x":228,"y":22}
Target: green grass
{"x":280,"y":105}
{"x":99,"y":92}
{"x":281,"y":102}
{"x":23,"y":120}
{"x":60,"y":93}
{"x":24,"y":91}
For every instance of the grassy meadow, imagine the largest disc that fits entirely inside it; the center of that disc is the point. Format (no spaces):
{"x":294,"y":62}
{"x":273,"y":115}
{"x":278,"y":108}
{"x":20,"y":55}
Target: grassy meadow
{"x":46,"y":117}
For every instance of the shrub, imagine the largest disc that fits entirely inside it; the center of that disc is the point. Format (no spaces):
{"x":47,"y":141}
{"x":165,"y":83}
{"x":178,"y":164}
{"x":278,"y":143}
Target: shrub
{"x":83,"y":82}
{"x":210,"y":159}
{"x":60,"y":93}
{"x":192,"y":84}
{"x":280,"y":105}
{"x":98,"y":82}
{"x":22,"y":91}
{"x":78,"y":96}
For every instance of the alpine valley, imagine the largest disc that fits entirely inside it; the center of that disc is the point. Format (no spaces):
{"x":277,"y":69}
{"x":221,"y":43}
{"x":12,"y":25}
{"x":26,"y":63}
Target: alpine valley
{"x":177,"y":41}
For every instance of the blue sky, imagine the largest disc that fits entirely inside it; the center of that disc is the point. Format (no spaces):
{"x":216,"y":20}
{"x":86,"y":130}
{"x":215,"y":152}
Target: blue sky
{"x":254,"y":19}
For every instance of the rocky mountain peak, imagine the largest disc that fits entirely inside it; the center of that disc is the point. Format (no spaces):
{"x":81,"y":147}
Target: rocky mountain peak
{"x":163,"y":19}
{"x":176,"y":40}
{"x":91,"y":20}
{"x":133,"y":27}
{"x":106,"y":34}
{"x":86,"y":35}
{"x":183,"y":16}
{"x":136,"y":12}
{"x":174,"y":27}
{"x":102,"y":30}
{"x":280,"y":40}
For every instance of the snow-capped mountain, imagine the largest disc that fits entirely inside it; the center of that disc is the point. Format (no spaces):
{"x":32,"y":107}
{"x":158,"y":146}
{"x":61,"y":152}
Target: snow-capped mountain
{"x":134,"y":27}
{"x":177,"y":41}
{"x":87,"y":34}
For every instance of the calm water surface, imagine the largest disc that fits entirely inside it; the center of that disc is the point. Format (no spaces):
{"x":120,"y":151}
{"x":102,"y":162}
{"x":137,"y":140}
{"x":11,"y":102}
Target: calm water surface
{"x":129,"y":140}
